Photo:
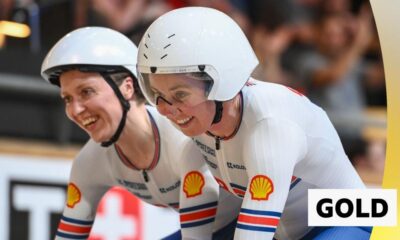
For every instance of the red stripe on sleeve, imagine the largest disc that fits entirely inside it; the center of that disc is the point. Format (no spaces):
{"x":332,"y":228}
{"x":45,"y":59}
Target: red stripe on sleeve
{"x":72,"y":228}
{"x":258,"y":220}
{"x":238,"y":191}
{"x":198,"y":215}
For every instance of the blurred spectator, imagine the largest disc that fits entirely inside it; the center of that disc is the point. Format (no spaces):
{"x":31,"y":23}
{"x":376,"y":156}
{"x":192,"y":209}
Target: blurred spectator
{"x":334,"y":72}
{"x":271,"y":36}
{"x":375,"y":160}
{"x":269,"y":46}
{"x":120,"y":15}
{"x":130,"y":17}
{"x":304,"y":14}
{"x":368,"y":157}
{"x":374,"y":84}
{"x":342,"y":7}
{"x":5,"y":9}
{"x":236,"y":9}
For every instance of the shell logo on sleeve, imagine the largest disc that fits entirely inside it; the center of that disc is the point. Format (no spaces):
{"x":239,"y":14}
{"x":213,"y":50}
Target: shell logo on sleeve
{"x":261,"y":187}
{"x":73,"y":195}
{"x":193,"y":184}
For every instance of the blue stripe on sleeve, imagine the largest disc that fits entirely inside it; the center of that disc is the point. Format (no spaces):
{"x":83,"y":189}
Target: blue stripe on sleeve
{"x":295,"y":183}
{"x":259,"y":212}
{"x":238,"y":186}
{"x":70,"y":236}
{"x":255,"y":228}
{"x":76,"y":221}
{"x":190,"y":209}
{"x":195,"y":224}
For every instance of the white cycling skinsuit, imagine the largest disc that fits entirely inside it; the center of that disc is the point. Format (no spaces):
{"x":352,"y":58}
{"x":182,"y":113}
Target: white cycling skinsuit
{"x":284,"y":146}
{"x":176,"y":160}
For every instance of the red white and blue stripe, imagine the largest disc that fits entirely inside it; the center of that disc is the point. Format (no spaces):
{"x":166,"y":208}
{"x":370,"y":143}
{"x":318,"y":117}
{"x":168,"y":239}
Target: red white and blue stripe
{"x":238,"y":190}
{"x":257,"y":220}
{"x":294,"y":182}
{"x":70,"y":228}
{"x":198,"y":215}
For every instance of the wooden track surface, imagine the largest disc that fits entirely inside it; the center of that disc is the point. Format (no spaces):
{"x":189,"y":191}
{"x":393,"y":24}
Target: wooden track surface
{"x":37,"y":148}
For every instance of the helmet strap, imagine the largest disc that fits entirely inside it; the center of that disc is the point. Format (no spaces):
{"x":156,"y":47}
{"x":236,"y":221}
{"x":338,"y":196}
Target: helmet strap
{"x":125,"y":108}
{"x":218,"y":112}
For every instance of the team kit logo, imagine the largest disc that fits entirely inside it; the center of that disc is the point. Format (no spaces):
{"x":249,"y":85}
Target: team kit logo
{"x":73,"y":195}
{"x":193,"y":184}
{"x":261,"y":187}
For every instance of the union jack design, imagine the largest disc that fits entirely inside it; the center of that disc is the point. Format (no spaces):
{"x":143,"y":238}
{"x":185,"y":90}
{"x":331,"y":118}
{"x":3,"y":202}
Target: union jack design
{"x":74,"y":228}
{"x":198,"y":215}
{"x":256,"y":220}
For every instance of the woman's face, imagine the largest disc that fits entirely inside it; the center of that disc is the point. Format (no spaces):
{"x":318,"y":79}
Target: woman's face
{"x":333,"y":36}
{"x":182,"y":100}
{"x":91,"y":104}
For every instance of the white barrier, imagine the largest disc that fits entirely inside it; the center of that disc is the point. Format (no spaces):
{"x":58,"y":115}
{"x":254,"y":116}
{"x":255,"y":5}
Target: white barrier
{"x":32,"y":196}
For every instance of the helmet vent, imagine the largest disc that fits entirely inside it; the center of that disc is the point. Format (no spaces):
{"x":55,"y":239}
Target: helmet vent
{"x":167,"y":46}
{"x":146,"y":45}
{"x":170,"y":35}
{"x":145,"y":56}
{"x":164,"y":56}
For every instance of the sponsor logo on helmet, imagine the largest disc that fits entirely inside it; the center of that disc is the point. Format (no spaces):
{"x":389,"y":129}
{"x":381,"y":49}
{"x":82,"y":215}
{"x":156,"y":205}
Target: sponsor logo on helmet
{"x":261,"y":187}
{"x":193,"y":184}
{"x":73,"y":195}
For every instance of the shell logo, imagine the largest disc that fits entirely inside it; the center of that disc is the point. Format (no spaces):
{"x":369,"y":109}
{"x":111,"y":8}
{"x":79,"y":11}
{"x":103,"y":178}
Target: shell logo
{"x":261,"y":187}
{"x":73,"y":195}
{"x":193,"y":184}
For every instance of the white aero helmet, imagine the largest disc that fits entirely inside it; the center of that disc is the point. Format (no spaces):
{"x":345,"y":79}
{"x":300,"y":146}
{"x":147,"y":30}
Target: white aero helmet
{"x":197,"y":39}
{"x":95,"y":49}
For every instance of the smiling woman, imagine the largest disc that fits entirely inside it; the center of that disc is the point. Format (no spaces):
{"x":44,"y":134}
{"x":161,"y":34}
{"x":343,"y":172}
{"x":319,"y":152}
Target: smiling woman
{"x":265,"y":143}
{"x":182,"y":101}
{"x":131,"y":145}
{"x":90,"y":103}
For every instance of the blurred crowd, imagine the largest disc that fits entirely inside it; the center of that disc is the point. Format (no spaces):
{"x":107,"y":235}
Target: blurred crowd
{"x":327,"y":49}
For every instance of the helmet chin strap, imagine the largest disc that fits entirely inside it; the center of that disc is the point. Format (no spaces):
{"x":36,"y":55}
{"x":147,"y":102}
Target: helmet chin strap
{"x":218,"y":112}
{"x":125,"y":108}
